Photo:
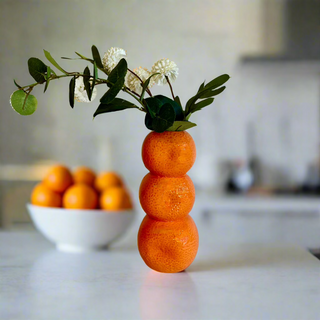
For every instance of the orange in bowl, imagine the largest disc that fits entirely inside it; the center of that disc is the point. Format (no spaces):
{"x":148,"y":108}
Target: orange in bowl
{"x":58,"y":178}
{"x":115,"y":199}
{"x":107,"y":179}
{"x":43,"y":196}
{"x":84,"y":175}
{"x":80,"y":196}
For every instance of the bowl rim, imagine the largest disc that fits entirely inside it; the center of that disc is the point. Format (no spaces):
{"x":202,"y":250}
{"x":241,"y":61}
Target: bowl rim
{"x":75,"y":211}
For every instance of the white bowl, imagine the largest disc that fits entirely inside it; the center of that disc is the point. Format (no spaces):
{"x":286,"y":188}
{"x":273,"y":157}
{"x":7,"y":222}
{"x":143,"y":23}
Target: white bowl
{"x":76,"y":230}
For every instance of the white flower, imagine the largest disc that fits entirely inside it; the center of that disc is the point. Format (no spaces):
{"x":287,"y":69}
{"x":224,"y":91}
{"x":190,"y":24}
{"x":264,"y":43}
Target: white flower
{"x":133,"y":82}
{"x":112,"y":57}
{"x":80,"y":93}
{"x":166,"y":68}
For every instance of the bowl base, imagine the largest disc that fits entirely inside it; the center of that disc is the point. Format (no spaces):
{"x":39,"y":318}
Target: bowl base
{"x":77,"y":249}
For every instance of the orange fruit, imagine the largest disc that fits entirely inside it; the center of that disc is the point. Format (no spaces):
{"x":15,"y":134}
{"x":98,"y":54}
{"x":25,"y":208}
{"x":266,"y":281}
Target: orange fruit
{"x":166,"y":198}
{"x":115,"y":198}
{"x":84,"y":175}
{"x":58,"y":178}
{"x":80,"y":196}
{"x":43,"y":196}
{"x":168,"y":246}
{"x":106,"y":180}
{"x":169,"y":153}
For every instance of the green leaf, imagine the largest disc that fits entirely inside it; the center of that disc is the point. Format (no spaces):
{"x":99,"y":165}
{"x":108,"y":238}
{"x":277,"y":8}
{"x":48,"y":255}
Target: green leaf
{"x":49,"y":57}
{"x":217,"y":82}
{"x":23,"y":103}
{"x":206,"y":91}
{"x":95,"y":71}
{"x":201,"y":104}
{"x":110,"y":95}
{"x":96,"y":57}
{"x":177,"y":100}
{"x":181,"y":126}
{"x":164,"y":119}
{"x":83,"y":57}
{"x":201,"y":87}
{"x":37,"y":69}
{"x":159,"y":116}
{"x":86,"y":82}
{"x":66,"y":58}
{"x":46,"y":85}
{"x":148,"y":121}
{"x":116,"y":81}
{"x":177,"y":107}
{"x":16,"y":84}
{"x":116,"y":105}
{"x":72,"y":86}
{"x":48,"y":72}
{"x":153,"y":106}
{"x":119,"y":72}
{"x":47,"y":78}
{"x":95,"y":76}
{"x":210,"y":93}
{"x":190,"y":103}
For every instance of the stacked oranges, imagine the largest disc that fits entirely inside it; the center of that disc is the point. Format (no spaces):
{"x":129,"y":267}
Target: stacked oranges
{"x":168,"y":237}
{"x":81,"y":189}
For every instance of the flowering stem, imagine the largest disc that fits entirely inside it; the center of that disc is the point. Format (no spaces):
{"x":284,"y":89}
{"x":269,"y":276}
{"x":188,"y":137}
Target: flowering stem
{"x":127,"y":89}
{"x":148,"y":90}
{"x":170,"y":86}
{"x":27,"y":89}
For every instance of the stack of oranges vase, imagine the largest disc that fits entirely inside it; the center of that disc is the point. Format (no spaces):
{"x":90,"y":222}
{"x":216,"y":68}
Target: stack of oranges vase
{"x":168,"y":237}
{"x":81,"y":189}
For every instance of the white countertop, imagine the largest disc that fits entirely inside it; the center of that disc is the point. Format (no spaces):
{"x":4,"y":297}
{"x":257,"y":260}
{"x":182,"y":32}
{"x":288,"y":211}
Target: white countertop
{"x":230,"y":279}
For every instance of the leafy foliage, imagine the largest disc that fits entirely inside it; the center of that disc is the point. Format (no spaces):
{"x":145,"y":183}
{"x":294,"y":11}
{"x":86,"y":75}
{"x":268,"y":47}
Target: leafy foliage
{"x":83,"y":57}
{"x":37,"y":69}
{"x":47,"y":77}
{"x":96,"y":57}
{"x":25,"y":104}
{"x":115,"y":81}
{"x":205,"y":91}
{"x":176,"y":106}
{"x":86,"y":82}
{"x":161,"y":113}
{"x":49,"y":57}
{"x":164,"y":119}
{"x":115,"y":105}
{"x":181,"y":126}
{"x":118,"y":73}
{"x":71,"y":91}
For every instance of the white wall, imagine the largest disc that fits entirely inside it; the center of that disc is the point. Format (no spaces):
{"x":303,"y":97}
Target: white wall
{"x":205,"y":39}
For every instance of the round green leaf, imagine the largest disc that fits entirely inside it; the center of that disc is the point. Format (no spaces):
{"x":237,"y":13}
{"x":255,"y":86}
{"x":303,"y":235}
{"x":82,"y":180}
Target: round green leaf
{"x":153,"y":106}
{"x":22,"y":103}
{"x":148,"y":121}
{"x":164,"y":119}
{"x":177,"y":108}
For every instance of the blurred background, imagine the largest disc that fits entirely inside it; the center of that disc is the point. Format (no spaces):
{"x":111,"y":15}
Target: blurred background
{"x":260,"y":137}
